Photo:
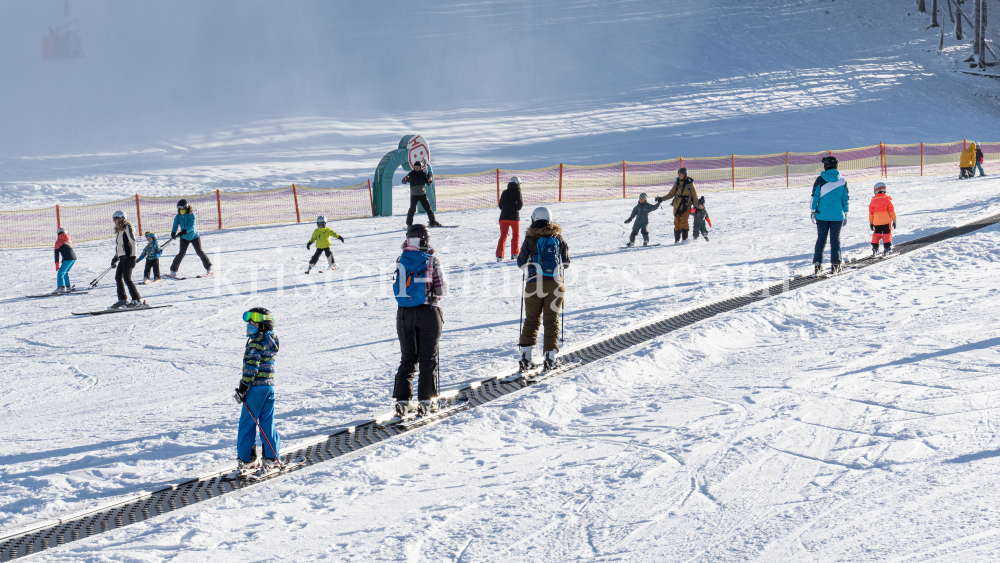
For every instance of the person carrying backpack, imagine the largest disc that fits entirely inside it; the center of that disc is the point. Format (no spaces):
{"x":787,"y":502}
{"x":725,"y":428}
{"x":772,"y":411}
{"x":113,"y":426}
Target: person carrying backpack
{"x":510,"y":217}
{"x":419,"y":286}
{"x":967,"y":160}
{"x":544,"y":255}
{"x":683,"y":197}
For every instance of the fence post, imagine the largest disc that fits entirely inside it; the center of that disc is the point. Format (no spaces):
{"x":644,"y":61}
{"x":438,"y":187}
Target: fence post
{"x":623,"y":180}
{"x":965,"y":144}
{"x":788,"y":182}
{"x":218,"y":207}
{"x":138,"y":215}
{"x":733,"y":156}
{"x":560,"y":181}
{"x":58,"y":220}
{"x":682,"y":162}
{"x":370,"y":199}
{"x":295,"y":195}
{"x":498,"y":186}
{"x":922,"y":157}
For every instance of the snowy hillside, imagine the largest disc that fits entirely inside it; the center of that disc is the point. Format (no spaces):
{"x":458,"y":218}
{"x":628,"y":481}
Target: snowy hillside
{"x":238,"y":95}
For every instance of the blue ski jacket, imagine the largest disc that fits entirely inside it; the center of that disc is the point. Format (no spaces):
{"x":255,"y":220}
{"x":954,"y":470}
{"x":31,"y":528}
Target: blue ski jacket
{"x":258,"y":359}
{"x":830,"y":197}
{"x":185,"y":222}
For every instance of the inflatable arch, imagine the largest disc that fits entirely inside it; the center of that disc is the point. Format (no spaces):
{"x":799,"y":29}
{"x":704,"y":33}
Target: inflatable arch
{"x":411,"y":149}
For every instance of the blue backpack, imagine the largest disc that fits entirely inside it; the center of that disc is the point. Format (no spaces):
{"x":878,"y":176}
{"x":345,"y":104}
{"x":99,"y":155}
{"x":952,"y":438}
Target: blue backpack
{"x":549,"y":258}
{"x":410,"y":287}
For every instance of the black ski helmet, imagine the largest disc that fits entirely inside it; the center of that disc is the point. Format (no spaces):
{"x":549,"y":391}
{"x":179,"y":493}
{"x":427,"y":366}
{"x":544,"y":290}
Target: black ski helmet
{"x":418,"y":231}
{"x":830,"y":163}
{"x":264,"y":325}
{"x":182,"y":204}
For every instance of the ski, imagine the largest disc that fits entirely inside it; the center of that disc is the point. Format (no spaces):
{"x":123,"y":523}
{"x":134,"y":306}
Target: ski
{"x":74,"y":292}
{"x":637,"y":246}
{"x":533,"y":376}
{"x":333,"y":269}
{"x":442,"y":226}
{"x":261,"y":475}
{"x":169,"y":277}
{"x":247,"y":472}
{"x":413,"y":419}
{"x":149,"y":282}
{"x":122,"y":310}
{"x":205,"y":275}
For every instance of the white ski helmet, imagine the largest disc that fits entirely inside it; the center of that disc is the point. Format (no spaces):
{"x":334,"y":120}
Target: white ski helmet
{"x":541,"y":214}
{"x":880,"y":188}
{"x":321,"y":220}
{"x":119,"y":215}
{"x":60,"y":231}
{"x":515,"y":180}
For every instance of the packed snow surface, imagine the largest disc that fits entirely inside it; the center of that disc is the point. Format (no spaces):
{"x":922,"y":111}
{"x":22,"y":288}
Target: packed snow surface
{"x":846,"y":421}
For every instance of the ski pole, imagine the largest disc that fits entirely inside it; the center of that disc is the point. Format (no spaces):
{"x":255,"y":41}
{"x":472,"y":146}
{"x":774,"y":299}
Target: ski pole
{"x":93,"y":284}
{"x":562,"y":327}
{"x":263,"y":435}
{"x":520,"y":321}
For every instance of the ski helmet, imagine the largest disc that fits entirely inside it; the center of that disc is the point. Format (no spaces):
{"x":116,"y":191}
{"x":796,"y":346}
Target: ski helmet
{"x":643,"y":196}
{"x":541,"y":214}
{"x":119,"y":215}
{"x":182,"y":204}
{"x":418,"y":230}
{"x":60,"y":231}
{"x":321,"y":221}
{"x":265,"y":316}
{"x":880,"y":188}
{"x":515,"y":180}
{"x":150,"y":235}
{"x":830,"y":162}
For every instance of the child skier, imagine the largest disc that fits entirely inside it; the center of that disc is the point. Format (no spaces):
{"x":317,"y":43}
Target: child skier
{"x":321,"y":236}
{"x":420,"y":284}
{"x":641,"y":215}
{"x":545,"y":255}
{"x":64,"y":250}
{"x":151,"y":254}
{"x":700,"y":218}
{"x":882,"y":220}
{"x":256,"y":393}
{"x":979,"y":159}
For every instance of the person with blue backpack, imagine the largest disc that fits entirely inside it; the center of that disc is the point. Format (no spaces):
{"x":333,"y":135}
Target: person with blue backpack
{"x":544,"y":255}
{"x":419,"y":286}
{"x":829,"y":212}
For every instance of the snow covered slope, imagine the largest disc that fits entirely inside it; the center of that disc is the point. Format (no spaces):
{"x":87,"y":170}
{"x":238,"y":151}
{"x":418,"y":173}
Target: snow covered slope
{"x":235,"y":95}
{"x":850,"y":421}
{"x":107,"y":406}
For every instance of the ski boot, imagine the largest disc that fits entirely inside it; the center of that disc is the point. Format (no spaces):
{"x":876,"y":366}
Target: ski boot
{"x":817,"y":269}
{"x":630,"y":244}
{"x":59,"y":291}
{"x":706,"y":238}
{"x":269,"y":466}
{"x":550,"y":361}
{"x":208,"y":272}
{"x":136,"y":304}
{"x":645,"y":243}
{"x":173,"y":274}
{"x":245,"y":467}
{"x":404,"y":408}
{"x":499,"y":258}
{"x":120,"y":304}
{"x":836,"y":269}
{"x":874,"y":250}
{"x":434,"y":224}
{"x":525,"y":364}
{"x":427,"y":407}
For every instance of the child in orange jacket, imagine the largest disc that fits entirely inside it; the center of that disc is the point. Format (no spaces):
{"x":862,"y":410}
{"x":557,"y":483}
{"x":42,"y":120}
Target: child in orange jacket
{"x":882,"y":220}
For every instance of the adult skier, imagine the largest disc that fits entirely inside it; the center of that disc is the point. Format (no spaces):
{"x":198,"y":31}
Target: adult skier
{"x":967,"y":161}
{"x":420,"y":284}
{"x":683,"y":195}
{"x":641,"y":215}
{"x":544,"y":255}
{"x":185,"y":226}
{"x":418,"y":180}
{"x":124,"y":262}
{"x":881,"y":219}
{"x":321,"y":236}
{"x":510,"y":217}
{"x":256,"y":393}
{"x":829,"y":212}
{"x":64,"y":250}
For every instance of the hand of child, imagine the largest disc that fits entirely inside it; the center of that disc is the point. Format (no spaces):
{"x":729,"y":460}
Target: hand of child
{"x":627,"y":221}
{"x":872,"y":225}
{"x":894,"y":224}
{"x":342,"y":239}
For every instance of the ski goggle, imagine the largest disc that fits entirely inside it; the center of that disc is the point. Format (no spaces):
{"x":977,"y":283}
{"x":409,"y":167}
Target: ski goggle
{"x":257,"y":317}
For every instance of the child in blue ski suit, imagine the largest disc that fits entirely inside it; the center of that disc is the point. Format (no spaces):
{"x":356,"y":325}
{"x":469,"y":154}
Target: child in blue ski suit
{"x":151,"y":254}
{"x":256,"y":391}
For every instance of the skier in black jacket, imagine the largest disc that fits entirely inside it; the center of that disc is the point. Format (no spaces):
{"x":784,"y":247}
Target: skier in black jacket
{"x":510,"y":219}
{"x":418,"y":179}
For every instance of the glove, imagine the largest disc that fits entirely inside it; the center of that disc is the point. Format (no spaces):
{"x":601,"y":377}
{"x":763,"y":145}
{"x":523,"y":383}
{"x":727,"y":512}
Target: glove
{"x":814,"y":217}
{"x":173,"y":236}
{"x":241,"y":393}
{"x":894,"y":224}
{"x":309,"y":245}
{"x":114,"y":261}
{"x":872,"y":225}
{"x":627,"y":221}
{"x":844,"y":223}
{"x":57,"y":266}
{"x":658,"y":199}
{"x":182,"y":233}
{"x":342,"y":239}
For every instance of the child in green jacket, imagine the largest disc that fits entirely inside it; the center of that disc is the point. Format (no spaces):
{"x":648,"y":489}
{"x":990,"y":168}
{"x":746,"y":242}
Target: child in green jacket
{"x":641,"y":215}
{"x":321,"y":236}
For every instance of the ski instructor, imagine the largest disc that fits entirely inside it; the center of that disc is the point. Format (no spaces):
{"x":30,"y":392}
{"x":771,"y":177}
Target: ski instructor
{"x":829,"y":213}
{"x":418,"y":180}
{"x":185,"y":226}
{"x":684,"y":195}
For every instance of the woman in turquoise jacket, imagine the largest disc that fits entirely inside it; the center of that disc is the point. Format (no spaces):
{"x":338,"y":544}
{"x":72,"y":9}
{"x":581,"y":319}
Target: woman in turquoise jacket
{"x":185,"y":227}
{"x":829,"y":212}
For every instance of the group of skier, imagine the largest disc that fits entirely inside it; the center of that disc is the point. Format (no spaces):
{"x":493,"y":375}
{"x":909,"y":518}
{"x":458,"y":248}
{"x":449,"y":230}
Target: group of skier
{"x":970,"y":161}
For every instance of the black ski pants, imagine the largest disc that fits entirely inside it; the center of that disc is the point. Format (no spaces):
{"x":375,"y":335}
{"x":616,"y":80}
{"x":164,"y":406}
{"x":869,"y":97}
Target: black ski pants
{"x":419,"y":331}
{"x":196,"y":243}
{"x":422,"y":200}
{"x":154,"y":266}
{"x":123,"y":277}
{"x":315,"y":258}
{"x":636,"y":230}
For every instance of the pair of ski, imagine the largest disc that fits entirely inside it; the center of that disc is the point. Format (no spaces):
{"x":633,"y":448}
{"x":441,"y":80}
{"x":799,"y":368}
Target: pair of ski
{"x":847,"y":267}
{"x":330,"y":269}
{"x":169,"y":277}
{"x":122,"y":310}
{"x":539,"y":373}
{"x":446,"y":406}
{"x":73,"y":291}
{"x":638,"y":247}
{"x":257,"y":473}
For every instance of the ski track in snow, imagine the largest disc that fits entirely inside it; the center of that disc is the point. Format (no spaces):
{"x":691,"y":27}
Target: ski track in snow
{"x":817,"y":424}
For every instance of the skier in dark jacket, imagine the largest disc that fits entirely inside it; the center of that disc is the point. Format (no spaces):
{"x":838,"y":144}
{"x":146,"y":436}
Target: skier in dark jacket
{"x":64,"y":250}
{"x":682,"y":196}
{"x":418,"y":180}
{"x":641,"y":215}
{"x":510,"y":218}
{"x":979,"y":159}
{"x":701,"y":217}
{"x":256,"y":393}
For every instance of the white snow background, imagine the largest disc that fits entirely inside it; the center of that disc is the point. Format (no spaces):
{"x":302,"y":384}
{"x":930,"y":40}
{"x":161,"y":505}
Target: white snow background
{"x":848,"y":421}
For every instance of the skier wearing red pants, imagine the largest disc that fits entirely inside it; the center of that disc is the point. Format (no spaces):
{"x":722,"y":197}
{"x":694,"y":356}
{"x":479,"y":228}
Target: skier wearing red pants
{"x":882,"y":220}
{"x":510,"y":218}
